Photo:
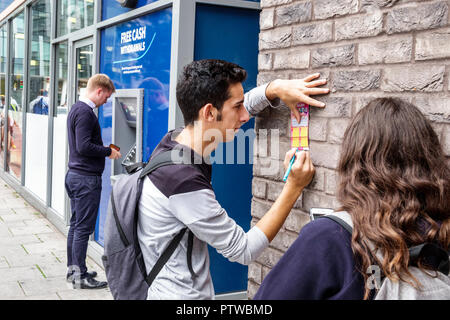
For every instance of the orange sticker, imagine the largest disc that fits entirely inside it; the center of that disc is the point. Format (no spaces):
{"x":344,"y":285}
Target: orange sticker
{"x":300,"y":130}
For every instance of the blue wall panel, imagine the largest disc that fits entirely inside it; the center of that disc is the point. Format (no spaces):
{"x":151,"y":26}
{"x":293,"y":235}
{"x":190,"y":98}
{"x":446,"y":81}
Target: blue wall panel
{"x":148,"y":68}
{"x":238,"y":43}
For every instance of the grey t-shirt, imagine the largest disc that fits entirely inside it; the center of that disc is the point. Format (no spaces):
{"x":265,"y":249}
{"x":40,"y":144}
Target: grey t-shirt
{"x":179,"y":196}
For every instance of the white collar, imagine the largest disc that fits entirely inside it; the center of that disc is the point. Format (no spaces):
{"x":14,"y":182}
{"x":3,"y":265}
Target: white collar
{"x":88,"y":102}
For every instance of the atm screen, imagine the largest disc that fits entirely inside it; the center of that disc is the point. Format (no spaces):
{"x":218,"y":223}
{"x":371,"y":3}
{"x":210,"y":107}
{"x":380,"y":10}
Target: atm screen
{"x":128,"y":106}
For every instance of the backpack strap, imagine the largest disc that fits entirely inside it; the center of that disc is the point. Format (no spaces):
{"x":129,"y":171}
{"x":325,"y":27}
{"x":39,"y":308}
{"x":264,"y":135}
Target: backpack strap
{"x":171,"y":157}
{"x":342,"y":218}
{"x":166,"y":158}
{"x":436,"y":257}
{"x":189,"y":253}
{"x":132,"y":168}
{"x":116,"y":219}
{"x":164,"y":257}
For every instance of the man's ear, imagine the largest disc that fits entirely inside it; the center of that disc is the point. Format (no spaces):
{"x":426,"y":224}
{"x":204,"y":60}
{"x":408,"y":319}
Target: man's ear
{"x":208,"y":113}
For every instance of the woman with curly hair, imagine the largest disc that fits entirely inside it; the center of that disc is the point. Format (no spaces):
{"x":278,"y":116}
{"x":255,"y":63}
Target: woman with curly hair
{"x":395,"y":186}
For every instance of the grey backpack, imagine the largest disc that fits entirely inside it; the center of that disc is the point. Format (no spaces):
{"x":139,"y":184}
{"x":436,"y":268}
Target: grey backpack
{"x":434,"y":287}
{"x":123,"y":261}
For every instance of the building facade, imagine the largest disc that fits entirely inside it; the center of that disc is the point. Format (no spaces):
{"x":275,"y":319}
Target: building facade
{"x":49,"y":49}
{"x":365,"y":48}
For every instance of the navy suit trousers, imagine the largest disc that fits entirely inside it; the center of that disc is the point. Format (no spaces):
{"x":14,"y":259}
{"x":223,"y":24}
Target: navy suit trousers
{"x":84,"y":193}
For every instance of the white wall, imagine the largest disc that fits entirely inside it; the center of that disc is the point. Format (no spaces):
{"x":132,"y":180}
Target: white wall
{"x":36,"y":154}
{"x":59,"y":163}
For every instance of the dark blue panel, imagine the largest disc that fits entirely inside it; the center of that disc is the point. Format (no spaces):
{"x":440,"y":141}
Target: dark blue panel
{"x":136,"y":54}
{"x":4,"y":4}
{"x":238,"y":43}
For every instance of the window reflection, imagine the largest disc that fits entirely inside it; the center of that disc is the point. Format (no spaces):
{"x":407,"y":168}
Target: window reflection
{"x":61,"y":78}
{"x":84,"y":68}
{"x":14,"y":123}
{"x":60,"y":129}
{"x":38,"y":103}
{"x":3,"y":39}
{"x":74,"y":15}
{"x":39,"y":58}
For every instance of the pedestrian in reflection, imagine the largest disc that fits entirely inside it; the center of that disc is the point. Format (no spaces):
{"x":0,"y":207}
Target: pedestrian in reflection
{"x":11,"y":124}
{"x":41,"y":103}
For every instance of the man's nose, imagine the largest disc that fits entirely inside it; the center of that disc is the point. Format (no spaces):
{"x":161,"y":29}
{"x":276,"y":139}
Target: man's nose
{"x":244,"y":115}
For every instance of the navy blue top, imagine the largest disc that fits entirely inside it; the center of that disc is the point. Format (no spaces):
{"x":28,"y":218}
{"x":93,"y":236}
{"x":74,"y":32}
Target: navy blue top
{"x":318,"y":266}
{"x":86,"y":151}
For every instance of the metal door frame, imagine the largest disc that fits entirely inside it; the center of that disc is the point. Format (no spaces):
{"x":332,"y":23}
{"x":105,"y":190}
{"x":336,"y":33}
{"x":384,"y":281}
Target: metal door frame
{"x":73,"y":45}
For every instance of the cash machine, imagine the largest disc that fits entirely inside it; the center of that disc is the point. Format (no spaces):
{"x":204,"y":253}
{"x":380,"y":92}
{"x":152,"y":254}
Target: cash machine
{"x":127,"y":106}
{"x":147,"y":48}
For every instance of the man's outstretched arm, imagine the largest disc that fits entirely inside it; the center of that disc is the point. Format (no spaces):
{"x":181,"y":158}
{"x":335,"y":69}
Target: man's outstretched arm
{"x":291,"y":92}
{"x":300,"y":176}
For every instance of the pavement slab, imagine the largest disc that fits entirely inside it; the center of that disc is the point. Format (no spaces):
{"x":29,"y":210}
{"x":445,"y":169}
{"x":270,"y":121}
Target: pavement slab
{"x":11,"y":290}
{"x":31,"y":260}
{"x":33,"y":257}
{"x":52,"y":296}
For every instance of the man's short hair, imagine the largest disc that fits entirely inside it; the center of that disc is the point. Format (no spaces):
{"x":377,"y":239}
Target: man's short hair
{"x":100,"y":80}
{"x":206,"y":81}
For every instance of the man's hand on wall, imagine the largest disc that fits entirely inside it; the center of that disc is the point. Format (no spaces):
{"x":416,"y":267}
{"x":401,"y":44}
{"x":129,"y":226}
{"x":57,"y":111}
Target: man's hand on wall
{"x":291,"y":92}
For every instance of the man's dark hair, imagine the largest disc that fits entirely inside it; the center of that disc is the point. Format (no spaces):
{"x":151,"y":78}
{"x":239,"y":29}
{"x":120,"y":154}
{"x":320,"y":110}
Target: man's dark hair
{"x":206,"y":81}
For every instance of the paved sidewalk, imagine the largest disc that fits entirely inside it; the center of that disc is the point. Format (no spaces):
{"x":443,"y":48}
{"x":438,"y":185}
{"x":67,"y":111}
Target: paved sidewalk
{"x":33,"y":255}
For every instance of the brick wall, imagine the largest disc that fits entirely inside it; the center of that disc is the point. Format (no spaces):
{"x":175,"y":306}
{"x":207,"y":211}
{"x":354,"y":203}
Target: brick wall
{"x":366,"y":49}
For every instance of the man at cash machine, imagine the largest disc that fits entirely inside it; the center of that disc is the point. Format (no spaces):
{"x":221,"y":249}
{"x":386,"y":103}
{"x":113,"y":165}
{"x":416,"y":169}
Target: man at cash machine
{"x":83,"y":179}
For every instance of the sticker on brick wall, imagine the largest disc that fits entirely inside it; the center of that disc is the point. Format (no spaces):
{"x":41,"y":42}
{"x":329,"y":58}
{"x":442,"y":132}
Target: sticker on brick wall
{"x":300,"y":131}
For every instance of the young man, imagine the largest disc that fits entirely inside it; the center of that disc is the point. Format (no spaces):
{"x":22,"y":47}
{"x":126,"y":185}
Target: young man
{"x":83,"y":179}
{"x":211,"y":98}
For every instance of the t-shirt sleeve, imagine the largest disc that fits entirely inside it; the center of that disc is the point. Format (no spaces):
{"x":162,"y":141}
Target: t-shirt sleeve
{"x":313,"y":267}
{"x":256,"y":101}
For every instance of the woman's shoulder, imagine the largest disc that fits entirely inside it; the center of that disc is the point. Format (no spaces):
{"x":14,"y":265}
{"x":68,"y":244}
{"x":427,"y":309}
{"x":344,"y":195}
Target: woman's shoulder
{"x":322,"y":235}
{"x":324,"y":228}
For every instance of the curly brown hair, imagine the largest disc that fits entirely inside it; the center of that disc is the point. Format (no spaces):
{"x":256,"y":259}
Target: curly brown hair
{"x":395,"y":184}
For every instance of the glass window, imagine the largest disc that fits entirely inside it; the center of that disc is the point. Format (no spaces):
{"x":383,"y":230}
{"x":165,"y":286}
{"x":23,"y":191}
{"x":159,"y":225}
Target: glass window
{"x":60,"y":129}
{"x":14,"y":150}
{"x":3,"y":39}
{"x":38,"y":99}
{"x":39,"y":58}
{"x":4,"y":4}
{"x":74,"y":15}
{"x":84,"y":69}
{"x":61,"y":78}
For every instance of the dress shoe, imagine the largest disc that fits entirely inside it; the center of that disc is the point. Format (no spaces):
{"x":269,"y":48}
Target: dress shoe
{"x":89,"y":283}
{"x":90,"y":274}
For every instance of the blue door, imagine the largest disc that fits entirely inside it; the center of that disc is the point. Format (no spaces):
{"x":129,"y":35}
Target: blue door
{"x":232,"y":183}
